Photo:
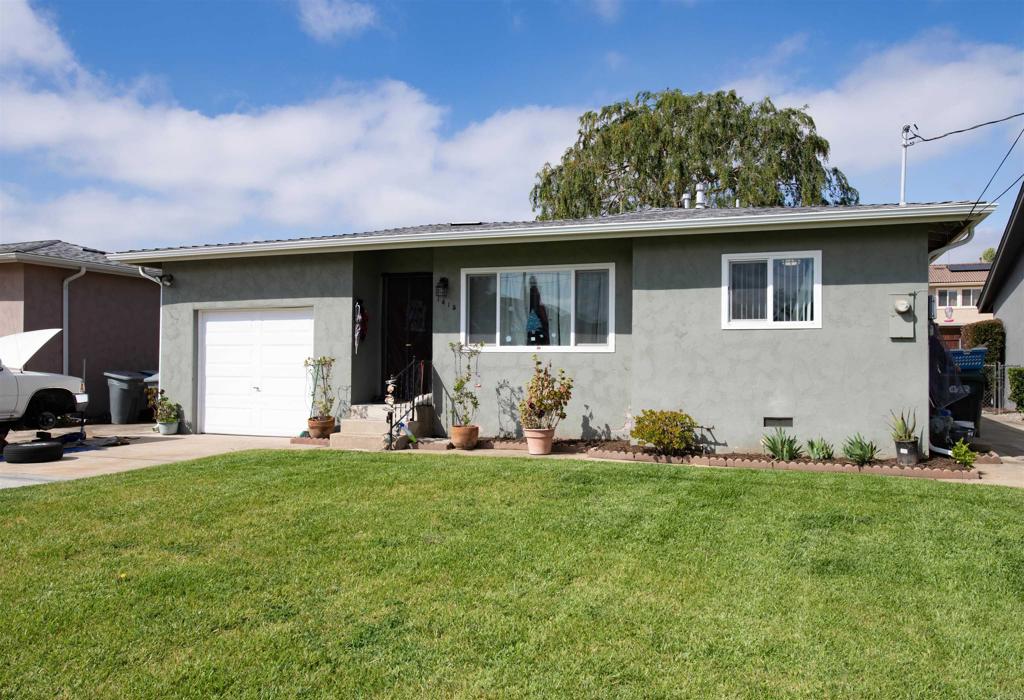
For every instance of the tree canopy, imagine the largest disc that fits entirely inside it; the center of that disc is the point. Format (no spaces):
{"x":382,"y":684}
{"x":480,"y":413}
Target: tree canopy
{"x":649,"y":151}
{"x":988,"y":255}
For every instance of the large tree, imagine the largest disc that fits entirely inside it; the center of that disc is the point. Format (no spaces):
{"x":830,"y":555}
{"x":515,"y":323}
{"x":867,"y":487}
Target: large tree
{"x":649,"y":151}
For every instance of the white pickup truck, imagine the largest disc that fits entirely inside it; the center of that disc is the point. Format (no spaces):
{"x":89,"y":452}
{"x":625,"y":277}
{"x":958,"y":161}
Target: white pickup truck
{"x":34,"y":400}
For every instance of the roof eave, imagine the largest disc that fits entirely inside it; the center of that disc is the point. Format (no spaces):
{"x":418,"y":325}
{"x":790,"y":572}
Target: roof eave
{"x":1011,"y":245}
{"x":932,"y":213}
{"x":50,"y":261}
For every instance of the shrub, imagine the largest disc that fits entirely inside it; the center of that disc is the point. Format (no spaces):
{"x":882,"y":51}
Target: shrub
{"x":903,"y":427}
{"x":860,"y":451}
{"x":546,"y":397}
{"x":667,"y":432}
{"x":781,"y":445}
{"x":464,"y":399}
{"x":820,"y":449}
{"x":989,"y":333}
{"x":963,"y":454}
{"x":1016,"y":377}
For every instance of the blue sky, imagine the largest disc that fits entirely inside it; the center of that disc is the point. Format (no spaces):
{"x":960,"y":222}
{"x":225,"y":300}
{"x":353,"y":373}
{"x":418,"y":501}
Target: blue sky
{"x":126,"y":124}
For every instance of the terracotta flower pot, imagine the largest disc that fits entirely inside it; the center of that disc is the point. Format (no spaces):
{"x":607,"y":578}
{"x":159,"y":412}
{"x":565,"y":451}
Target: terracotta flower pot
{"x":464,"y":437}
{"x":538,"y":440}
{"x":321,"y":427}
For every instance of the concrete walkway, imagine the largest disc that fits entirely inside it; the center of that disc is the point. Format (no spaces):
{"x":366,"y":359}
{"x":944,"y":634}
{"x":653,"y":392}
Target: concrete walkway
{"x":146,"y":449}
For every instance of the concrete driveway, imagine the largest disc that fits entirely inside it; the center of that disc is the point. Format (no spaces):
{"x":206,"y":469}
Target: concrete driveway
{"x":1004,"y":435}
{"x":145,"y":449}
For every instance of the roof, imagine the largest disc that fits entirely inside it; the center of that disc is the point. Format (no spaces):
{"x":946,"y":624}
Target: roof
{"x":949,"y":217}
{"x":63,"y":254}
{"x":959,"y":273}
{"x":1009,"y":254}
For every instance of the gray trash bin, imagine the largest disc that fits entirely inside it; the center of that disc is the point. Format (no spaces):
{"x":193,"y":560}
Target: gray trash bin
{"x":127,"y":395}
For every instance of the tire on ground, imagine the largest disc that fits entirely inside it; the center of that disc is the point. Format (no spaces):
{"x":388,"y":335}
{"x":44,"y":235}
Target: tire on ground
{"x":31,"y":452}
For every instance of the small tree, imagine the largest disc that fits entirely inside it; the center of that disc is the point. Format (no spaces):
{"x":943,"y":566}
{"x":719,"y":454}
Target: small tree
{"x":464,"y":399}
{"x":990,"y":333}
{"x":988,"y":255}
{"x":322,"y":393}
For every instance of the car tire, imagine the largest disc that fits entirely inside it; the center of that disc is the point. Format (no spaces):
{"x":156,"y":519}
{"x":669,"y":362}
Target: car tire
{"x":33,"y":452}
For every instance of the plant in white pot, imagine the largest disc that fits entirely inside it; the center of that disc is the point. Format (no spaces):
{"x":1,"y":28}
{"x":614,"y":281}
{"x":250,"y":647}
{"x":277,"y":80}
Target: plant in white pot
{"x":464,"y":399}
{"x":321,"y":420}
{"x":543,"y":406}
{"x":168,"y":415}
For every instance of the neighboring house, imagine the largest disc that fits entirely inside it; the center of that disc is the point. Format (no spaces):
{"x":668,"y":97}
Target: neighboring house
{"x":744,"y":318}
{"x":1003,"y":294}
{"x":108,"y":313}
{"x":955,"y":289}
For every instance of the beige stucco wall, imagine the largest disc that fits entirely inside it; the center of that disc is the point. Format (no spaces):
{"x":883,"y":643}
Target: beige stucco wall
{"x":12,"y":307}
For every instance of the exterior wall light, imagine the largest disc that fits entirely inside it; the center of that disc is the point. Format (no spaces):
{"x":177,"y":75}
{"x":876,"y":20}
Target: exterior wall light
{"x":441,"y":289}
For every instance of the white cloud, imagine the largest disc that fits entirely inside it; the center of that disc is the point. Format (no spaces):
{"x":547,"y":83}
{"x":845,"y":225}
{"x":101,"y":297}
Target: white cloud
{"x":325,"y":19}
{"x":614,"y":60}
{"x":30,"y":38}
{"x":937,"y":80}
{"x":155,"y":173}
{"x":608,"y":10}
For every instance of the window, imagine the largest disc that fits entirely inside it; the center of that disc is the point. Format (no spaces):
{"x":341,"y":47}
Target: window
{"x":947,"y":297}
{"x":771,"y":290}
{"x":969,"y":297}
{"x":551,"y":308}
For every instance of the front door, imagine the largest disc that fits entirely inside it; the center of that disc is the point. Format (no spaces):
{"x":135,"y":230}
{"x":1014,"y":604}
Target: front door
{"x":408,"y":313}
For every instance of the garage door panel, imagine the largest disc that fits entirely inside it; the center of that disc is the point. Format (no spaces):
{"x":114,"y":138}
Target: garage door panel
{"x":254,"y":379}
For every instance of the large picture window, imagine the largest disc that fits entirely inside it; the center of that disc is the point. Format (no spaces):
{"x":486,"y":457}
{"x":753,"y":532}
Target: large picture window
{"x":547,"y":308}
{"x":771,"y":290}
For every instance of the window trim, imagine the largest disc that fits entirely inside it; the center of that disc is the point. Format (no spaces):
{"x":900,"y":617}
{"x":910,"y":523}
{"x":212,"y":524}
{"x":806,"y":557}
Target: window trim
{"x":769,"y":257}
{"x":975,"y":294}
{"x":572,"y":268}
{"x":948,"y":291}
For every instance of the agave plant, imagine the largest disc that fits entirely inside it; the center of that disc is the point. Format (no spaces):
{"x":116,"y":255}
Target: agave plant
{"x":781,"y":445}
{"x":903,"y":426}
{"x":859,"y":450}
{"x":820,"y":449}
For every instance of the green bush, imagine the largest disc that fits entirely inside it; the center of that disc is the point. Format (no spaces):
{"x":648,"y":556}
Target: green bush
{"x":860,"y":451}
{"x":781,"y":445}
{"x":1016,"y":376}
{"x":820,"y":449}
{"x":963,"y":454}
{"x":667,"y":432}
{"x":989,"y":333}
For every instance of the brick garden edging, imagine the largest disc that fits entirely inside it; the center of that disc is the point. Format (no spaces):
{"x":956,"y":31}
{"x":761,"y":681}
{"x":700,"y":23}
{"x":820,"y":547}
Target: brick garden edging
{"x":727,"y":461}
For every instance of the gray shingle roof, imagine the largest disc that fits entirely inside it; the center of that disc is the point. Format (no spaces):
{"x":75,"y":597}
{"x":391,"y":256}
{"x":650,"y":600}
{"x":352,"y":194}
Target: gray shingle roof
{"x":63,"y":251}
{"x":653,"y":214}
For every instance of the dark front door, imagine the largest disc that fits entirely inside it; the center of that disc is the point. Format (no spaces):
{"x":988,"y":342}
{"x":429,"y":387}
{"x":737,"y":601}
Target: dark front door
{"x":408,"y":312}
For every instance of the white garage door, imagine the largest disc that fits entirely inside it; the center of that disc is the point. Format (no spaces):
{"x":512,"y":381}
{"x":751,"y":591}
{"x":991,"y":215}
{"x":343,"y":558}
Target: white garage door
{"x":253,"y":381}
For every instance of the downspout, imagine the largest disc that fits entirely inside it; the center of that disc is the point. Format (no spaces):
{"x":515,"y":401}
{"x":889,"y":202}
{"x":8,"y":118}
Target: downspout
{"x":160,"y":321}
{"x":66,"y":310}
{"x":932,"y":257}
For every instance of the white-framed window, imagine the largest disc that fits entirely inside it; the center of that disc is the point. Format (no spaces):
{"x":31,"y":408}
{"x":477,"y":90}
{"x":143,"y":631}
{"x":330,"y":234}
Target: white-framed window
{"x":969,"y":297}
{"x":947,"y":297}
{"x":540,"y":308}
{"x":771,"y":290}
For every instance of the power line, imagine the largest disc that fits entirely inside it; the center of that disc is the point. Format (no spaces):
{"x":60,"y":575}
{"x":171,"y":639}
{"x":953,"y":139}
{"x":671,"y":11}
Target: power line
{"x":917,"y":138}
{"x":978,"y":200}
{"x":996,"y":198}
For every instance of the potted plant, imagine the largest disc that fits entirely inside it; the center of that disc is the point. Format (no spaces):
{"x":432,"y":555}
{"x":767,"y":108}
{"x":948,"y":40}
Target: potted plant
{"x":904,"y":428}
{"x":543,"y":406}
{"x":321,"y":421}
{"x":168,"y":415}
{"x":464,"y":399}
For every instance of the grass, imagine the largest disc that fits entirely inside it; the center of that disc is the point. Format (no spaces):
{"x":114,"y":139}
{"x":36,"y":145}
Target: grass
{"x":316,"y":573}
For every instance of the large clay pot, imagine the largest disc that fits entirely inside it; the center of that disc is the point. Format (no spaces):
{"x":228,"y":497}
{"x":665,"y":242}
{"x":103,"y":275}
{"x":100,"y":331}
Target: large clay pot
{"x":538,"y":440}
{"x":464,"y":437}
{"x":321,"y":427}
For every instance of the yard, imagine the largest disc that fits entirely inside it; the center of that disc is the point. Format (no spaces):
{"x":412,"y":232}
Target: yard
{"x":313,"y":573}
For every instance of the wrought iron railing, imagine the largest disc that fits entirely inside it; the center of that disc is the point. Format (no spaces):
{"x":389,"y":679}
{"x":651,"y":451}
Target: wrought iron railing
{"x":400,"y":393}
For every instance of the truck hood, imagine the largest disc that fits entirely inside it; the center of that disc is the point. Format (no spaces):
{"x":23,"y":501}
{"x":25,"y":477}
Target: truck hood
{"x":18,"y":348}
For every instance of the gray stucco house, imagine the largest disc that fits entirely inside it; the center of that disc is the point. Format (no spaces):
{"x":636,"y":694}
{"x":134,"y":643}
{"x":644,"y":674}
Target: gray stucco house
{"x":1003,"y":293}
{"x":744,"y":318}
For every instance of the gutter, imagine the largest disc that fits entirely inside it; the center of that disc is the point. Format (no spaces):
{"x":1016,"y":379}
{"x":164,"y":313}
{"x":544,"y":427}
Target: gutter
{"x":67,"y":314}
{"x":938,"y":253}
{"x":160,"y":321}
{"x":50,"y":261}
{"x":572,"y":231}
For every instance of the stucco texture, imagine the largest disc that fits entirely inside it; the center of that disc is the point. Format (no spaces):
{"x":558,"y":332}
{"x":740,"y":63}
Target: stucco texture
{"x":323,"y":282}
{"x":670,"y":349}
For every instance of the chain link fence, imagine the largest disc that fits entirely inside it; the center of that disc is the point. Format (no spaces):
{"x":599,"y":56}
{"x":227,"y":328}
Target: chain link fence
{"x":997,"y":388}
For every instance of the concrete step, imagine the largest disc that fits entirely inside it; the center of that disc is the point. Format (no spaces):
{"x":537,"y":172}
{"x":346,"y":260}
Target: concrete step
{"x":359,"y":426}
{"x":365,"y":443}
{"x":369,"y":411}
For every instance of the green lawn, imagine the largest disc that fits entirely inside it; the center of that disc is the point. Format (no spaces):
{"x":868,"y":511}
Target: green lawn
{"x":316,"y":573}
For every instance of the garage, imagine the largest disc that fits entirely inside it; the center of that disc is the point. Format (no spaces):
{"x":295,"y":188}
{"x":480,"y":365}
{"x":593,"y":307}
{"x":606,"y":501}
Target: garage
{"x":252,"y":379}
